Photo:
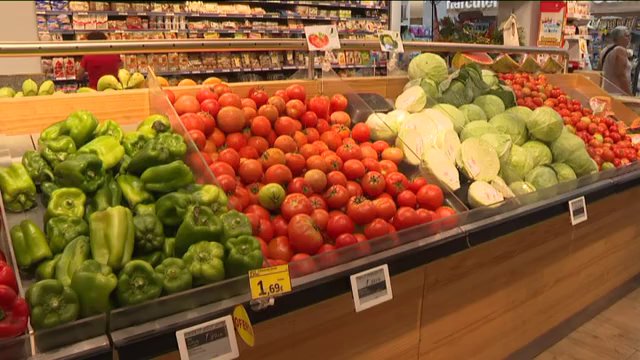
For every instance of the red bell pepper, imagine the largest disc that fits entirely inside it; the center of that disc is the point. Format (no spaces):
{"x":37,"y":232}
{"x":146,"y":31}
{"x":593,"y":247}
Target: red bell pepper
{"x":7,"y":276}
{"x":14,"y":313}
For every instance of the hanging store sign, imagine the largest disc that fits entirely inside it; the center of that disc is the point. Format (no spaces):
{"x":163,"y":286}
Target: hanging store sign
{"x":471,"y":5}
{"x":552,"y":19}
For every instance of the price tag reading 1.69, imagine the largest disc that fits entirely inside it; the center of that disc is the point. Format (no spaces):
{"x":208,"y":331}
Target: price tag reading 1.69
{"x":269,"y":281}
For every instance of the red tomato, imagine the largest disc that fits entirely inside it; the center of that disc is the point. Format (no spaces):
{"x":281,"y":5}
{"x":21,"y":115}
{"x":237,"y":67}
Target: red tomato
{"x":171,"y":95}
{"x":331,"y":139}
{"x":323,"y":126}
{"x":320,"y":105}
{"x":295,"y":108}
{"x":317,"y":179}
{"x":269,"y":111}
{"x":260,"y":97}
{"x":430,"y":197}
{"x":279,"y":103}
{"x":416,"y":183}
{"x":286,"y":144}
{"x":309,"y":150}
{"x":227,"y":182}
{"x":285,"y":125}
{"x":425,"y":216}
{"x":234,"y":202}
{"x":217,"y":137}
{"x":243,"y":194}
{"x":205,"y":93}
{"x":368,"y":152}
{"x":317,"y":202}
{"x":192,"y":121}
{"x":316,"y":162}
{"x":236,"y":141}
{"x":361,"y":132}
{"x":407,"y":198}
{"x":280,"y":226}
{"x":248,"y":102}
{"x":361,"y":210}
{"x":198,"y":138}
{"x":230,"y":156}
{"x":258,"y":210}
{"x":326,"y":248}
{"x":385,"y":207}
{"x":387,"y":167}
{"x":349,"y":151}
{"x":396,"y":182}
{"x":344,"y":240}
{"x":279,"y":174}
{"x":373,"y":183}
{"x":393,"y":153}
{"x":296,"y":91}
{"x":320,"y":217}
{"x":336,"y":196}
{"x":260,"y":126}
{"x":339,"y":224}
{"x":380,"y":145}
{"x":272,"y":157}
{"x":211,"y":106}
{"x":404,"y":218}
{"x":219,"y":168}
{"x":300,"y":139}
{"x":336,"y":178}
{"x":340,"y":117}
{"x":309,"y":119}
{"x":333,"y":162}
{"x":296,"y":163}
{"x":231,"y":119}
{"x":282,"y":94}
{"x":344,"y":132}
{"x":353,"y":169}
{"x":221,"y":88}
{"x":295,"y":204}
{"x":312,"y":134}
{"x":265,"y":249}
{"x":378,"y":227}
{"x":354,"y":188}
{"x":304,"y":235}
{"x":299,"y":186}
{"x":338,"y":103}
{"x":280,"y":249}
{"x":445,"y":212}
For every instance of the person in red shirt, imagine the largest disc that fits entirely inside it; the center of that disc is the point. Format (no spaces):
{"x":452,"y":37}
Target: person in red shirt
{"x":97,"y":66}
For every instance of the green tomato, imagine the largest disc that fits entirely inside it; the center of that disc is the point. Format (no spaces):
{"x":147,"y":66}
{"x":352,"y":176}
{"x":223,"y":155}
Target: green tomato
{"x":607,"y":166}
{"x":271,"y":196}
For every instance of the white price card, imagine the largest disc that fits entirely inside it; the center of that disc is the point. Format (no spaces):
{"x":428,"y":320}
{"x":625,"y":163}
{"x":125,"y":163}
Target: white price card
{"x":322,"y":37}
{"x":578,"y":210}
{"x":371,"y":287}
{"x":215,"y":339}
{"x":390,"y":41}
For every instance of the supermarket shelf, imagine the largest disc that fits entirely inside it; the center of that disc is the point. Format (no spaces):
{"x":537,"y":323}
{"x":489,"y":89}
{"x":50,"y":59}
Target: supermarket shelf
{"x":576,"y":37}
{"x":208,"y":15}
{"x":213,"y":31}
{"x":578,"y":17}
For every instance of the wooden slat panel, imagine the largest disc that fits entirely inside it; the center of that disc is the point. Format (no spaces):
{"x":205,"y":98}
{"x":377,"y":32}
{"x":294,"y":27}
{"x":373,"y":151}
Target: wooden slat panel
{"x":492,"y":300}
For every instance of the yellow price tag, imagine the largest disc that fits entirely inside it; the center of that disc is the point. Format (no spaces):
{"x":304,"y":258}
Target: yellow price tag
{"x":269,"y":281}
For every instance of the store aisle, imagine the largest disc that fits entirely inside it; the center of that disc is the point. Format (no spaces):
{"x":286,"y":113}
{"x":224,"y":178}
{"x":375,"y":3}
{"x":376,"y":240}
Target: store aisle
{"x":613,"y":334}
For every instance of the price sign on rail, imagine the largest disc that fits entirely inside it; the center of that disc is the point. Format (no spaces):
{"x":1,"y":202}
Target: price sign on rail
{"x":215,"y":339}
{"x":269,"y":281}
{"x":371,"y":287}
{"x":578,"y":210}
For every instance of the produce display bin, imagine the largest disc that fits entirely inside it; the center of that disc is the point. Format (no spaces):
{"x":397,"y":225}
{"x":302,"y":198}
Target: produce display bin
{"x":459,"y":283}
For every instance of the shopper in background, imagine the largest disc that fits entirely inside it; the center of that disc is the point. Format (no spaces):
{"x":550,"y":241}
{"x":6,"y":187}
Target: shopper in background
{"x":97,"y":66}
{"x":615,"y":65}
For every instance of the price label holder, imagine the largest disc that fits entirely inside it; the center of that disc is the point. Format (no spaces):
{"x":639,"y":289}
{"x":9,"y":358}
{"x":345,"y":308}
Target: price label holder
{"x":269,"y":281}
{"x":578,"y":210}
{"x":371,"y":287}
{"x":215,"y":339}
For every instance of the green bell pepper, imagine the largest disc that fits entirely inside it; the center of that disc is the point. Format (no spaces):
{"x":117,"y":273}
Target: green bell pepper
{"x":17,"y":188}
{"x":83,"y":171}
{"x":153,"y":153}
{"x":145,"y":209}
{"x":243,"y":254}
{"x":111,"y":234}
{"x":235,"y":224}
{"x":154,"y":259}
{"x":53,"y":131}
{"x":80,"y":126}
{"x":107,"y":148}
{"x":47,"y":268}
{"x":154,"y":124}
{"x":51,"y":304}
{"x":109,"y":128}
{"x":175,"y":274}
{"x":149,"y":234}
{"x":133,"y":142}
{"x":167,"y":178}
{"x":37,"y":167}
{"x":200,"y":224}
{"x":169,"y":247}
{"x":124,"y":164}
{"x":29,"y":244}
{"x":133,"y":190}
{"x":66,"y":201}
{"x":108,"y":195}
{"x":172,"y":208}
{"x":208,"y":195}
{"x":72,"y":257}
{"x":204,"y":260}
{"x":62,"y":229}
{"x":57,"y":150}
{"x":137,"y":283}
{"x":93,"y":283}
{"x":174,"y":143}
{"x":47,"y":189}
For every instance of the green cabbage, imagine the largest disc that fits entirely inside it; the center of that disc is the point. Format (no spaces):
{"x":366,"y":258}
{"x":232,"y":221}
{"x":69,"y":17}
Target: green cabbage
{"x":522,"y":112}
{"x":477,"y":129}
{"x":539,"y":152}
{"x":565,"y":146}
{"x":545,"y":124}
{"x":518,"y":165}
{"x":581,"y":163}
{"x":490,"y":78}
{"x":521,"y":188}
{"x":473,"y":112}
{"x":490,"y":104}
{"x":542,"y":177}
{"x":502,"y":187}
{"x":412,"y":100}
{"x":397,"y":116}
{"x":429,"y":86}
{"x":430,"y":66}
{"x":501,"y":143}
{"x":382,"y":127}
{"x":564,"y":172}
{"x":512,"y":126}
{"x":482,"y":193}
{"x":478,"y":160}
{"x":456,"y":116}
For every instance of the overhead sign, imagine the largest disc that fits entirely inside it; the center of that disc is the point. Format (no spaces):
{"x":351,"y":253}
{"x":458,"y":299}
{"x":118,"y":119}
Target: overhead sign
{"x":471,"y":5}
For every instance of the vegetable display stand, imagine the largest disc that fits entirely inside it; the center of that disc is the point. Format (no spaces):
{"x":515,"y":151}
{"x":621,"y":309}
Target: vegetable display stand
{"x":471,"y":285}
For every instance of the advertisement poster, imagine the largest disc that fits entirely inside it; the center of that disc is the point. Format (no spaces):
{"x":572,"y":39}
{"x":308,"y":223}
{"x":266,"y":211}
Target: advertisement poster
{"x":552,"y":15}
{"x":322,"y":37}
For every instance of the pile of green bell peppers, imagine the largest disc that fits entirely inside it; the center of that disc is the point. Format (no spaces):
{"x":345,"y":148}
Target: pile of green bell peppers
{"x":125,"y":221}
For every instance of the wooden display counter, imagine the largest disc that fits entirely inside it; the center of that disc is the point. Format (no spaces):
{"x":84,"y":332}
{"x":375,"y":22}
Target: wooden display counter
{"x":487,"y":301}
